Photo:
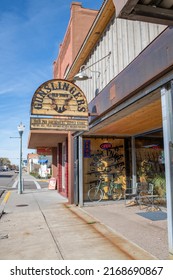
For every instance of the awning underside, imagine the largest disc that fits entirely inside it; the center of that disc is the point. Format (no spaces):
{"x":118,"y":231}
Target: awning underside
{"x":46,"y":138}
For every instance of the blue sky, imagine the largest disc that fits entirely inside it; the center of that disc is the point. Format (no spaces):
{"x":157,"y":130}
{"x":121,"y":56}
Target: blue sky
{"x":30,"y":34}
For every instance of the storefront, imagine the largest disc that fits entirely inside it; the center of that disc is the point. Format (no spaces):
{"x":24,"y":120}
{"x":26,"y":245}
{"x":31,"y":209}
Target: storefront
{"x":120,"y":140}
{"x":110,"y":159}
{"x":135,"y":106}
{"x":59,"y":109}
{"x":130,"y":104}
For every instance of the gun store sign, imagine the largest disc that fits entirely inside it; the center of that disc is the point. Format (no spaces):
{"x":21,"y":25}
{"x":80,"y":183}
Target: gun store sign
{"x":60,"y":98}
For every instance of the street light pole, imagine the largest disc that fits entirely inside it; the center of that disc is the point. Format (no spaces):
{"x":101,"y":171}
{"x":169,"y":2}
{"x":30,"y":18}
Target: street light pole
{"x":20,"y":128}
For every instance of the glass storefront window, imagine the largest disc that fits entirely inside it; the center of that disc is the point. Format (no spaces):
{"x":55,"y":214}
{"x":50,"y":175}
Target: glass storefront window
{"x":150,"y":161}
{"x":104,"y":158}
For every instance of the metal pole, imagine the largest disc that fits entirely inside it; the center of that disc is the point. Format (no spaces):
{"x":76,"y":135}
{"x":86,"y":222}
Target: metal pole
{"x":80,"y":171}
{"x":21,"y":128}
{"x":133,"y":164}
{"x":21,"y":156}
{"x":20,"y":166}
{"x":167,"y":116}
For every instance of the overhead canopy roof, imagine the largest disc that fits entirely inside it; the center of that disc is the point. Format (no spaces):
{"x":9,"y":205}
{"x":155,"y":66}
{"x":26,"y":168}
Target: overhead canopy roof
{"x":45,"y":138}
{"x":140,"y":117}
{"x":155,"y":11}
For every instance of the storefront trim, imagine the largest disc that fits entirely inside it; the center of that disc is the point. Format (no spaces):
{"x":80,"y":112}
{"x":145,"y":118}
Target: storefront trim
{"x":80,"y":171}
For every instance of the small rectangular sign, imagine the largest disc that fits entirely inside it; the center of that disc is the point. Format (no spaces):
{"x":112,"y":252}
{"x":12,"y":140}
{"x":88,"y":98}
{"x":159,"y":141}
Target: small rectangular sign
{"x":87,"y":148}
{"x":58,"y":124}
{"x":44,"y":151}
{"x":52,"y":184}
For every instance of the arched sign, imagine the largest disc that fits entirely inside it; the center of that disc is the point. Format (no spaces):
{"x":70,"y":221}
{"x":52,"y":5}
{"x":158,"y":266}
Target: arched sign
{"x":59,"y":98}
{"x":62,"y":100}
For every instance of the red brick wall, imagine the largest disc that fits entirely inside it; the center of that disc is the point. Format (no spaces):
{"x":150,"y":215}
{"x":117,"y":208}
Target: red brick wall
{"x":80,"y":22}
{"x":54,"y":162}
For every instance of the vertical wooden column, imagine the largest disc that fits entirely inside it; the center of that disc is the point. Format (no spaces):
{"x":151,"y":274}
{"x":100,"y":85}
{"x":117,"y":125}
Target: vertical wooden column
{"x":54,"y":162}
{"x":167,"y":118}
{"x":59,"y":177}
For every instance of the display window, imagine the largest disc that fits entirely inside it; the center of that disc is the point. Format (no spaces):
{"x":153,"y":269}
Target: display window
{"x":150,"y":162}
{"x":103,"y":159}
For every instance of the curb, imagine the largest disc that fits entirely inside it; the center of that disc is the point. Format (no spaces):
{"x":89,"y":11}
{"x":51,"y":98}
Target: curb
{"x":1,"y":192}
{"x":2,"y":206}
{"x":42,"y":180}
{"x":131,"y":249}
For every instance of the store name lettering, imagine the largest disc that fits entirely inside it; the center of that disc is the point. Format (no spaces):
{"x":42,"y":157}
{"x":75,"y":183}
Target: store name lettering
{"x":48,"y":90}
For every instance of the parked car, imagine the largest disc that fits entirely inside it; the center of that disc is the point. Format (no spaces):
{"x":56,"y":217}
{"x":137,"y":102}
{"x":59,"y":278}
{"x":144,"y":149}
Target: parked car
{"x":5,"y":168}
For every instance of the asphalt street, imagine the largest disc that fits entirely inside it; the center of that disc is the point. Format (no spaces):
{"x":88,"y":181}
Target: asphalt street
{"x":9,"y":180}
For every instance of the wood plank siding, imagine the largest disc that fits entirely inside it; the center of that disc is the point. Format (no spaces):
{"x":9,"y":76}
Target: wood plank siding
{"x":125,"y":40}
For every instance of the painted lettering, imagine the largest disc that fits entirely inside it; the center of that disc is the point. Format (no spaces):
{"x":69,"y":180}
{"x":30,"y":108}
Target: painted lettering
{"x":72,"y":90}
{"x":39,"y":99}
{"x":37,"y":106}
{"x":66,"y":86}
{"x":60,"y":94}
{"x":77,"y":94}
{"x":41,"y":93}
{"x":52,"y":84}
{"x":82,"y":109}
{"x":79,"y":102}
{"x":46,"y":87}
{"x":59,"y":85}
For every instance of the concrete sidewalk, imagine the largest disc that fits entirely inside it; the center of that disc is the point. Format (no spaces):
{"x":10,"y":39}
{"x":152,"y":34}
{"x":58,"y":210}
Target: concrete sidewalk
{"x":40,"y":225}
{"x":147,"y":229}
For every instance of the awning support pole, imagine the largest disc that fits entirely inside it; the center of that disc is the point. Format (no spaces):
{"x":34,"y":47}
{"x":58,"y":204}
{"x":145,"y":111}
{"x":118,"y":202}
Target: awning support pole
{"x":81,"y":171}
{"x":133,"y":163}
{"x":167,"y":119}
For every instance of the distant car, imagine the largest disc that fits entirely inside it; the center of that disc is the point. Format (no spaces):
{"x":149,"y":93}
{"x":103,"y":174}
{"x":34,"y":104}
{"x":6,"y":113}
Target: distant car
{"x":16,"y":171}
{"x":5,"y":168}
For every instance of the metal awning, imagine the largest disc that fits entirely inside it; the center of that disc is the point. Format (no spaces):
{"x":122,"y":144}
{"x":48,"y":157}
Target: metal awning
{"x":43,"y":161}
{"x":155,"y":11}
